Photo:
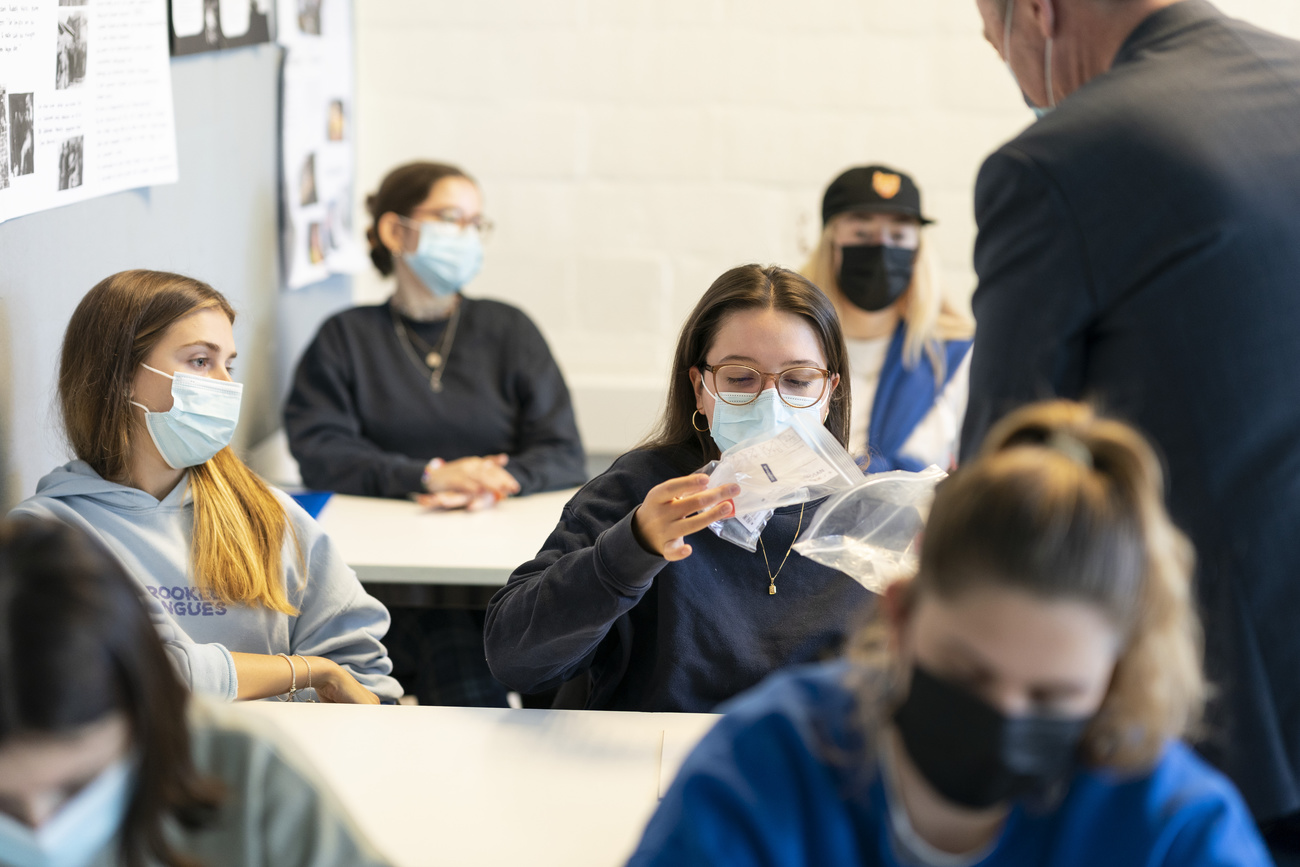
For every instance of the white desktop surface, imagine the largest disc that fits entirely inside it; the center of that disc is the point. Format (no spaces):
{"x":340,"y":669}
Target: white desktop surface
{"x":468,"y":786}
{"x":399,"y":542}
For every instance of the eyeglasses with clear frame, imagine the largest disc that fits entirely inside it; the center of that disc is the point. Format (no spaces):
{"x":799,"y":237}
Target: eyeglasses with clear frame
{"x":798,"y":387}
{"x":449,"y":217}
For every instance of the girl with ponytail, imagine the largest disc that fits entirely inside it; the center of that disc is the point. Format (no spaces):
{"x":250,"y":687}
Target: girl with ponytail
{"x":1022,"y":700}
{"x":249,"y":597}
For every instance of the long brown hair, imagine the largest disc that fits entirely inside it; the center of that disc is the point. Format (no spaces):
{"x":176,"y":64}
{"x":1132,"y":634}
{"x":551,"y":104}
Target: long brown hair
{"x":75,"y":646}
{"x":1063,"y":504}
{"x":401,"y":192}
{"x":748,"y":287}
{"x":239,"y":525}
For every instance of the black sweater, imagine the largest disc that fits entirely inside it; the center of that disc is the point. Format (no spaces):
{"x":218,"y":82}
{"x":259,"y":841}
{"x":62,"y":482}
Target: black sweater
{"x":362,"y":419}
{"x":653,"y":635}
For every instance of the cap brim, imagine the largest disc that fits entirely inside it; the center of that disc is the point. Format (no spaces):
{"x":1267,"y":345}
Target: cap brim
{"x":880,"y":208}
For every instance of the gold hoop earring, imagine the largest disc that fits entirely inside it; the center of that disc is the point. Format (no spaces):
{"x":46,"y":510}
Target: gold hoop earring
{"x":697,"y":427}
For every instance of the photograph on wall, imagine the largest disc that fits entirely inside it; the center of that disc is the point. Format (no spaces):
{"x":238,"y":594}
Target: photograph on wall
{"x":198,"y":26}
{"x":317,"y":155}
{"x":70,"y":163}
{"x":22,"y":138}
{"x":309,"y":17}
{"x":85,"y":100}
{"x":70,"y":62}
{"x":4,"y":140}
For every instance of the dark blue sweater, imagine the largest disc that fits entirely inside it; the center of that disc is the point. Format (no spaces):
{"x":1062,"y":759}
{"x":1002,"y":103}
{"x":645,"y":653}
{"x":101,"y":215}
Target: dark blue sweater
{"x":657,"y":636}
{"x":362,"y":419}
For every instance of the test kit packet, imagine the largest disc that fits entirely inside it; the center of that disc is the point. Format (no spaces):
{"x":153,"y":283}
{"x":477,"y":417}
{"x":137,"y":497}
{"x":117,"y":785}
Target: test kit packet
{"x":872,"y":532}
{"x":801,"y":461}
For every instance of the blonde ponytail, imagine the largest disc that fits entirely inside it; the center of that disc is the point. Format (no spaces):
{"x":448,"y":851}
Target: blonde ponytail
{"x":238,"y":538}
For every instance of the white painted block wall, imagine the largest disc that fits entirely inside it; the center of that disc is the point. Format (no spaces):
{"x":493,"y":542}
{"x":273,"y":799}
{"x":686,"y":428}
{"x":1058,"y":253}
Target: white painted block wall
{"x":630,"y":151}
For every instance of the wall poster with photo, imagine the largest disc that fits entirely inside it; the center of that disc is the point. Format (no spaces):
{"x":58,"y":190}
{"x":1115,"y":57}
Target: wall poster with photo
{"x":85,"y":101}
{"x":213,"y":25}
{"x":317,"y":141}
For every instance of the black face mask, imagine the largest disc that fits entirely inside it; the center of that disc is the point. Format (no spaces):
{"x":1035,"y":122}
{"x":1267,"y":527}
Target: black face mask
{"x":972,"y":754}
{"x":873,"y":276}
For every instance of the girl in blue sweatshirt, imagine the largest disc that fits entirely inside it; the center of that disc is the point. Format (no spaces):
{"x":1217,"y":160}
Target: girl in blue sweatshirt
{"x":249,"y":596}
{"x":634,"y":604}
{"x":1019,"y":702}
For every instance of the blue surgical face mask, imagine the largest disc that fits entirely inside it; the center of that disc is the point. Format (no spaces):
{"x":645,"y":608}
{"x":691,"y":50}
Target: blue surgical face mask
{"x":446,"y":258}
{"x":199,"y":424}
{"x":83,"y":826}
{"x":1039,"y":111}
{"x":766,"y":415}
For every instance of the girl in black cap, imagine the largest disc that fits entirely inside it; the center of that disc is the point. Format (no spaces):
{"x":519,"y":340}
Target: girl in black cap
{"x":909,"y":348}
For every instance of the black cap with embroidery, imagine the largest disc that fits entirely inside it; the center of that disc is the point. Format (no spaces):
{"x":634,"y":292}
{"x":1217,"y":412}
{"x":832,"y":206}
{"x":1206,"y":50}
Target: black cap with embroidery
{"x":873,"y":189}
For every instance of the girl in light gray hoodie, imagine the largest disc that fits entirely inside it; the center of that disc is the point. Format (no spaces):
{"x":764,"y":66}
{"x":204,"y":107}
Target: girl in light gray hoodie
{"x":250,"y":598}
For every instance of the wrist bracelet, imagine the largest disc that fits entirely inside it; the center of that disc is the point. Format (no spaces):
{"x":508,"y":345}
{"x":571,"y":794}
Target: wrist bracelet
{"x":308,"y":664}
{"x":426,"y":476}
{"x":293,"y":678}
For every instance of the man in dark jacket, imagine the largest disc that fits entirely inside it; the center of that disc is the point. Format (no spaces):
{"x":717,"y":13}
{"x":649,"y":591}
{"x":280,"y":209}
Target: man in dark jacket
{"x":1140,"y":246}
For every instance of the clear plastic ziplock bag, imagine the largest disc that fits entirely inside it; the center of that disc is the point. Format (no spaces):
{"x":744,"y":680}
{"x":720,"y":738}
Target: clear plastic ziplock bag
{"x":797,"y":463}
{"x":872,"y":531}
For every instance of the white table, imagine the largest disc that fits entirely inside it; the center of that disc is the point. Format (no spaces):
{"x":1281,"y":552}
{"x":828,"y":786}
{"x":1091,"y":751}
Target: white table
{"x":398,"y":542}
{"x":442,"y":785}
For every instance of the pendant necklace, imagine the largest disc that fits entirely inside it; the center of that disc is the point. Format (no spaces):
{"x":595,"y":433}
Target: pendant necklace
{"x":423,"y":355}
{"x":771,"y":577}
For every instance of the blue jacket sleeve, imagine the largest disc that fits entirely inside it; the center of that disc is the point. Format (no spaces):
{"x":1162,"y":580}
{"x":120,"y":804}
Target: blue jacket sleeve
{"x":1035,"y":299}
{"x":757,"y":791}
{"x":545,"y":626}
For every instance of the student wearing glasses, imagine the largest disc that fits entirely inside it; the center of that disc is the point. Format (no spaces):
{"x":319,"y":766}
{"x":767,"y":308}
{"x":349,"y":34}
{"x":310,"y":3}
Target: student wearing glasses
{"x":909,"y":348}
{"x":632,"y":602}
{"x":432,"y":393}
{"x":452,"y":399}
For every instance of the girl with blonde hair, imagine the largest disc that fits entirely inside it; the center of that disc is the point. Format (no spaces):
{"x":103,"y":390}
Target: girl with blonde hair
{"x":1020,"y":701}
{"x":909,"y":347}
{"x":249,"y":596}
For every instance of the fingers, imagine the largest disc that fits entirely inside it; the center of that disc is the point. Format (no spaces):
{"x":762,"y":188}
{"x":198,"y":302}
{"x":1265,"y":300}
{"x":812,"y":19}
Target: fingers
{"x":675,"y":550}
{"x":444,"y":500}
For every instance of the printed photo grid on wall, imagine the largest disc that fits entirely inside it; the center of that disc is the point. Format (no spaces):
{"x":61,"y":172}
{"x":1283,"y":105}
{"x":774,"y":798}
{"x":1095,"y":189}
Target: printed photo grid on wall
{"x":214,"y":25}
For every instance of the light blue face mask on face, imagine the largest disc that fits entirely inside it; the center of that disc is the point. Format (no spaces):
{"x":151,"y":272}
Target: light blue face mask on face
{"x":83,"y":826}
{"x":199,"y":424}
{"x":764,"y":416}
{"x":1039,"y":111}
{"x":447,"y":257}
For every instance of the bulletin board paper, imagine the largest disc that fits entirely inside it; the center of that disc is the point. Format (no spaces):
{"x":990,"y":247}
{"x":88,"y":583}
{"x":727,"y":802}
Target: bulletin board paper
{"x":317,"y":140}
{"x":85,"y":100}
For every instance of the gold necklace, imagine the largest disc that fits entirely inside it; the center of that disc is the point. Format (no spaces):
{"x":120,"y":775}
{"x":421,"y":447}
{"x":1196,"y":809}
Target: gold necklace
{"x":771,"y":579}
{"x":434,"y":358}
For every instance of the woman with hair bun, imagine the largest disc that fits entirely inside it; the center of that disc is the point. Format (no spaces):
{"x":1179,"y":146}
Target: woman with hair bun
{"x":249,"y":595}
{"x":456,"y":399}
{"x":1020,"y":701}
{"x":450,"y":399}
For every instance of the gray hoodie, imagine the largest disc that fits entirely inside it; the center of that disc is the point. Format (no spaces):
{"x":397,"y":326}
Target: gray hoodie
{"x":337,"y":618}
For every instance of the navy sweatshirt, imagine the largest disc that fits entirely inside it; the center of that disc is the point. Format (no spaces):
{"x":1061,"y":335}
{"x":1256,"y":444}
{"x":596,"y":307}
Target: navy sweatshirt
{"x":651,"y":635}
{"x":362,"y":419}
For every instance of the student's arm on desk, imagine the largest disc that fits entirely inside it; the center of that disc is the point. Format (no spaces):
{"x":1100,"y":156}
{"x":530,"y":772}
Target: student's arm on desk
{"x":545,"y":625}
{"x":549,"y":454}
{"x":337,"y":618}
{"x":324,"y":428}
